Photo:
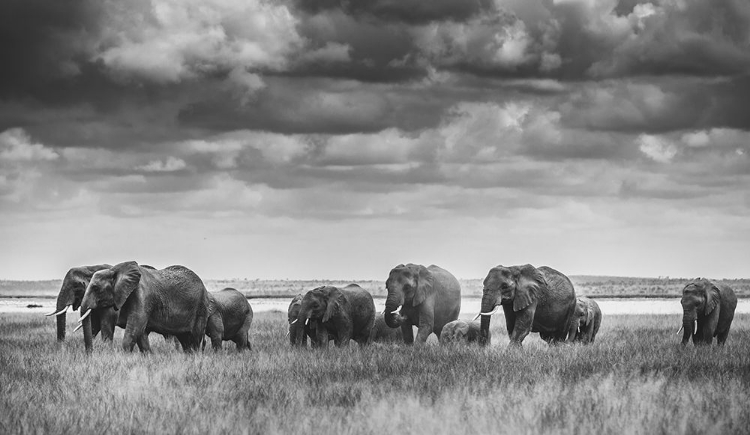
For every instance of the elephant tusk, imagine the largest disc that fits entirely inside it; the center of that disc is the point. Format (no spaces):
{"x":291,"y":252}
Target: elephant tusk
{"x":59,"y":312}
{"x":476,"y":317}
{"x":497,"y":307}
{"x":678,"y":331}
{"x":307,"y":322}
{"x":396,"y":310}
{"x":84,"y":316}
{"x":287,"y":333}
{"x":295,"y":321}
{"x":696,"y":329}
{"x":78,"y":327}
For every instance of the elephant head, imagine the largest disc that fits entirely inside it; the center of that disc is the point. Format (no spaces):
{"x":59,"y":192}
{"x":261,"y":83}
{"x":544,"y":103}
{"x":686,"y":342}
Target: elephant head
{"x":320,"y":304}
{"x":583,"y":315}
{"x":108,"y":288}
{"x":296,"y":328}
{"x":407,"y":285}
{"x":699,"y":299}
{"x":71,"y":293}
{"x":516,"y":286}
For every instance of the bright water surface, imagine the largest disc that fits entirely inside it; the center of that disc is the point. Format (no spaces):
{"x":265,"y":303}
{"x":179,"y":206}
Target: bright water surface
{"x":469,"y":306}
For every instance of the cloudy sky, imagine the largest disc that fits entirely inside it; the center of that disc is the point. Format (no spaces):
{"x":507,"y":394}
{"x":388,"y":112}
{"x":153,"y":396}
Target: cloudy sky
{"x":337,"y":139}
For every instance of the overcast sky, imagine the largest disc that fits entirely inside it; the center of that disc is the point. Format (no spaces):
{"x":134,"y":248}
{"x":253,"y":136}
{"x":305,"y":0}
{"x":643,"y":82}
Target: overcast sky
{"x":325,"y":139}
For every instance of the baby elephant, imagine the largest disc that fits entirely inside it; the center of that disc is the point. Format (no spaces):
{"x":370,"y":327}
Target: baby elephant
{"x":586,"y":319}
{"x":459,"y":331}
{"x":345,"y":314}
{"x":383,"y":333}
{"x":229,"y":318}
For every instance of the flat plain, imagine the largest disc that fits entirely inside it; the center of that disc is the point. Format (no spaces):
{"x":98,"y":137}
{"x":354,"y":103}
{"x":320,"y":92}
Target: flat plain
{"x":636,"y":379}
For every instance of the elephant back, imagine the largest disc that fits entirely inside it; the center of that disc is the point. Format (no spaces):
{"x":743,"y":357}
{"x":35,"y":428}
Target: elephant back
{"x":361,"y":307}
{"x":447,"y":297}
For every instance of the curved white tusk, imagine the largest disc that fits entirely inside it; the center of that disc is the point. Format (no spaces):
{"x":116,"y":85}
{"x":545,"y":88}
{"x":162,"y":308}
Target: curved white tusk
{"x":78,"y":327}
{"x":678,"y":331}
{"x":476,"y":317}
{"x":59,"y":312}
{"x":307,"y":321}
{"x":696,"y":329}
{"x":295,"y":321}
{"x":287,"y":333}
{"x":497,"y":307}
{"x":84,"y":316}
{"x":396,"y":310}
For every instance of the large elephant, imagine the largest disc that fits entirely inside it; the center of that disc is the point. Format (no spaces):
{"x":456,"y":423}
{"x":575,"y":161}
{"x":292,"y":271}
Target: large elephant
{"x":229,"y":318}
{"x":170,"y":301}
{"x":587,"y":319}
{"x":534,"y":300}
{"x":710,"y":309}
{"x":71,"y":294}
{"x":383,"y":333}
{"x":346,"y":314}
{"x":428,"y":297}
{"x":459,"y":331}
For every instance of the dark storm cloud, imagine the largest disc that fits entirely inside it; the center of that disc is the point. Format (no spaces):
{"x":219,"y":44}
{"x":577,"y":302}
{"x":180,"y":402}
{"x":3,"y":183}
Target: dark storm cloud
{"x":409,"y":11}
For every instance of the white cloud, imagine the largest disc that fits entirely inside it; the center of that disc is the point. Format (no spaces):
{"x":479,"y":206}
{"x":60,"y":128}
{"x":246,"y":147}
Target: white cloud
{"x":17,"y":146}
{"x":657,"y":148}
{"x":172,"y":40}
{"x":171,"y":164}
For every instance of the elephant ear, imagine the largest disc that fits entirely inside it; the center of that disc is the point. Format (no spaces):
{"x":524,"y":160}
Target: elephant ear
{"x":334,"y":303}
{"x":712,"y":296}
{"x":424,"y":285}
{"x":127,"y":278}
{"x":529,"y":284}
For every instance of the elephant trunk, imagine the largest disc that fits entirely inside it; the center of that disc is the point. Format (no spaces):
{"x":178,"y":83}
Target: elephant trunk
{"x":391,"y":316}
{"x":688,"y":322}
{"x":61,"y":327}
{"x":87,"y":336}
{"x":488,"y":304}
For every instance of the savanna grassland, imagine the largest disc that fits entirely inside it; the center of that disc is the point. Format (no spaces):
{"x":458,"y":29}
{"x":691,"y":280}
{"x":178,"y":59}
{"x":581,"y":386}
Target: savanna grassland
{"x":635,"y":379}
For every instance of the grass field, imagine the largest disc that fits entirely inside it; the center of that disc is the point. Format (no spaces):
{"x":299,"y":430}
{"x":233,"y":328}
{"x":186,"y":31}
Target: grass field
{"x":636,"y":379}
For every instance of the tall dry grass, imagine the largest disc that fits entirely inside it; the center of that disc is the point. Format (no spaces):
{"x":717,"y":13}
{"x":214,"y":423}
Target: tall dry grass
{"x":635,"y":379}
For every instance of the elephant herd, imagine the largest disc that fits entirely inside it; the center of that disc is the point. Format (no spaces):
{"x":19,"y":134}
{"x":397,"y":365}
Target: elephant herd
{"x":175,"y":303}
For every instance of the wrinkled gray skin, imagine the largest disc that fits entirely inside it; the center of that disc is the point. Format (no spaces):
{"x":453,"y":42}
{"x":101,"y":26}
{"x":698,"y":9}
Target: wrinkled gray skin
{"x":711,"y":307}
{"x":382,"y":333}
{"x":346,"y":314}
{"x":429,"y":297}
{"x":71,"y":294}
{"x":229,"y":318}
{"x":587,"y":319}
{"x":170,"y":301}
{"x":460,"y":331}
{"x":533,"y":299}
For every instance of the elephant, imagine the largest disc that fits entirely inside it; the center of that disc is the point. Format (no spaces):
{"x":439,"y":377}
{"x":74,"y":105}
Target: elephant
{"x":587,"y":319}
{"x":170,"y":301}
{"x":710,"y":308}
{"x":298,"y":331}
{"x":71,"y":294}
{"x":229,"y":318}
{"x":384,"y":333}
{"x":533,"y":299}
{"x":460,"y":331}
{"x":428,"y":297}
{"x":346,"y":314}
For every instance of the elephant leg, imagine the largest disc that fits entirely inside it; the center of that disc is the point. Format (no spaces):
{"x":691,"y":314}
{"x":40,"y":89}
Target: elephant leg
{"x":143,"y":344}
{"x":407,"y":332}
{"x":722,"y":337}
{"x":215,"y":330}
{"x":426,"y":324}
{"x":522,"y":327}
{"x":186,"y":341}
{"x":510,"y":318}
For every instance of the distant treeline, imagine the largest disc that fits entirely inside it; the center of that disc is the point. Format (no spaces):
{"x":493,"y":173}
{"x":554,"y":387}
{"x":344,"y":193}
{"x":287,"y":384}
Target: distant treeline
{"x":596,"y":286}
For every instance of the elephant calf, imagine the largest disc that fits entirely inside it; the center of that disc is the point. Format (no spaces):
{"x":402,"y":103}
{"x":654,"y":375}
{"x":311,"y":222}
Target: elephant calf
{"x":346,"y":314}
{"x":229,"y":318}
{"x":587,"y":318}
{"x":459,"y":331}
{"x":381,"y":332}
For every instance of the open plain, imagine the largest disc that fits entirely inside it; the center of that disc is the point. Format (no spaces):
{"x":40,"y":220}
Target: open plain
{"x":636,"y":379}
